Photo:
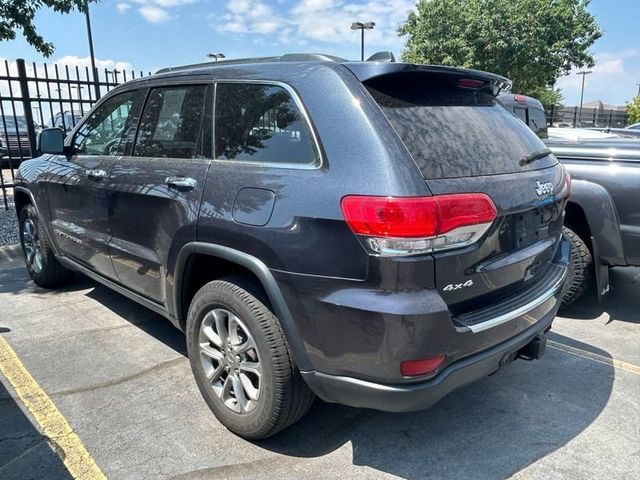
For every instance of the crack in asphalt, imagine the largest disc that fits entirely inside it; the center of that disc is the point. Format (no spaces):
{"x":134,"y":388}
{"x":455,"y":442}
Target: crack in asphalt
{"x":120,"y":380}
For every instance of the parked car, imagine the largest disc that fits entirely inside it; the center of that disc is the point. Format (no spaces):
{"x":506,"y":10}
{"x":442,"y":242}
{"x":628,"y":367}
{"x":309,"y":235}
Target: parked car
{"x":634,"y":126}
{"x":576,"y":134}
{"x":626,"y":132}
{"x":527,"y":109}
{"x":376,"y":234}
{"x":602,"y":221}
{"x":66,"y":120}
{"x":14,"y":140}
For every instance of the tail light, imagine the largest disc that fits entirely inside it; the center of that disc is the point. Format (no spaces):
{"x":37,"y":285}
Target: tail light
{"x":400,"y":226}
{"x":471,"y":83}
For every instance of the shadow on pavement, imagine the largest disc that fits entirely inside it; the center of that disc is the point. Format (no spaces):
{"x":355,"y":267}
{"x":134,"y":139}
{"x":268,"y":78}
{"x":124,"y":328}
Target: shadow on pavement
{"x":625,"y":284}
{"x":14,"y":279}
{"x":491,"y":429}
{"x":24,"y":452}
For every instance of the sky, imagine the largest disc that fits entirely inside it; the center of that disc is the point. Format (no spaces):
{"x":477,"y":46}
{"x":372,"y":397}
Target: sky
{"x":151,"y":34}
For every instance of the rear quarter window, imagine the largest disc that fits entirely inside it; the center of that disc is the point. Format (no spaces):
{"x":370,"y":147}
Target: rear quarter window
{"x":261,"y":123}
{"x":454,"y":132}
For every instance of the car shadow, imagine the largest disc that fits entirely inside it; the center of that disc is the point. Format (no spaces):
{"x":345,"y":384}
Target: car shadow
{"x":14,"y":274}
{"x":490,"y":429}
{"x":23,"y":449}
{"x":624,"y":285}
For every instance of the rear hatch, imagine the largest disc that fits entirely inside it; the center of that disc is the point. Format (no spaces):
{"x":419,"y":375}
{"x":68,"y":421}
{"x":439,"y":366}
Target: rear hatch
{"x":464,"y":141}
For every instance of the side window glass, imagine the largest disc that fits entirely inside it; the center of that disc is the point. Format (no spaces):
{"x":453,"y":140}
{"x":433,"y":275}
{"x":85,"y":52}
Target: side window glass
{"x":103,"y":133}
{"x":260,"y":123}
{"x":171,"y":123}
{"x":538,"y":122}
{"x":521,"y":113}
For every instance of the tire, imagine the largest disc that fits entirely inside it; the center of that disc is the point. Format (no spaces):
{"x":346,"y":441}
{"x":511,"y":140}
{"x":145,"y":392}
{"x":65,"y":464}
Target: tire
{"x":41,"y":263}
{"x":580,"y":268}
{"x":283,"y":397}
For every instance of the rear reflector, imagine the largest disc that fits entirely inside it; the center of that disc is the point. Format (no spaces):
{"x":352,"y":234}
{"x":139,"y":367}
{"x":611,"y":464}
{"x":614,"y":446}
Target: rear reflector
{"x":412,"y":368}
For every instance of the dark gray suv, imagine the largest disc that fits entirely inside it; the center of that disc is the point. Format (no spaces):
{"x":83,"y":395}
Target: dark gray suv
{"x":376,"y":234}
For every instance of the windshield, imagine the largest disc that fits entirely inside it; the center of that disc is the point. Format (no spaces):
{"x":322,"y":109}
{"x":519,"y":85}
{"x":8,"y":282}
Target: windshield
{"x":454,"y":132}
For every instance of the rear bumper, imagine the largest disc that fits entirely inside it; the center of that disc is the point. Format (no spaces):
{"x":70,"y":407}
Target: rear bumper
{"x":418,"y":396}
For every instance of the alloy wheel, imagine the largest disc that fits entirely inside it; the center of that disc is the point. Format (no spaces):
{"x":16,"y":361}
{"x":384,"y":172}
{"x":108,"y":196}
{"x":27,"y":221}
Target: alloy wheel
{"x":32,"y":247}
{"x":230,"y":360}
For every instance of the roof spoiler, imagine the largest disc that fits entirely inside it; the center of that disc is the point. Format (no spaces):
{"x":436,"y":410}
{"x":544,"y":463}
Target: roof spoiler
{"x":366,"y":71}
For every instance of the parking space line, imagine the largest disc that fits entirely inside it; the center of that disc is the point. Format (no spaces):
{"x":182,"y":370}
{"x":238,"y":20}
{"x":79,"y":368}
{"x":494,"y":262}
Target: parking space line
{"x":64,"y":440}
{"x":612,"y":362}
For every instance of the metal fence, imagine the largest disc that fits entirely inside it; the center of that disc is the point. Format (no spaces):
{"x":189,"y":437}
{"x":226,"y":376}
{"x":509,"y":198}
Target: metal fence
{"x":33,"y":97}
{"x":562,"y":116}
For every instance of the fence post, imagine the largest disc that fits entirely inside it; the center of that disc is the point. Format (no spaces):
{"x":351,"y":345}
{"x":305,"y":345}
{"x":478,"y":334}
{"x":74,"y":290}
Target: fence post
{"x":26,"y":104}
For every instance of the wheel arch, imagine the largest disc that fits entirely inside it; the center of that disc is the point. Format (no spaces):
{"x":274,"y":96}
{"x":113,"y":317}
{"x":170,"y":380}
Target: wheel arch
{"x":590,"y":210}
{"x":21,"y":197}
{"x":232,"y":262}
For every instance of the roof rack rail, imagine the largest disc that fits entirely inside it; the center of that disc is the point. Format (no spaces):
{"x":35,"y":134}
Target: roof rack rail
{"x":287,"y":57}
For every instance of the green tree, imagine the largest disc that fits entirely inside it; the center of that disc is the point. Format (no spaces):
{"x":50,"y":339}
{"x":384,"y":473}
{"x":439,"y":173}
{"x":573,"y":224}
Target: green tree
{"x":19,"y":15}
{"x":532,"y":42}
{"x":547,"y":95}
{"x":633,"y":110}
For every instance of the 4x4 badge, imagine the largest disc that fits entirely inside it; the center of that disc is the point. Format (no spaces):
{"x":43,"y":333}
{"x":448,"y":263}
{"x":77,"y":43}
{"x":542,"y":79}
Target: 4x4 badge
{"x":457,"y":286}
{"x":544,"y":189}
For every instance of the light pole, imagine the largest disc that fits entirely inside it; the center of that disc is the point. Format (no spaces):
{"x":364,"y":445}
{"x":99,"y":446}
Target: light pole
{"x":584,"y":73}
{"x":215,"y":56}
{"x":362,"y":27}
{"x":91,"y":54}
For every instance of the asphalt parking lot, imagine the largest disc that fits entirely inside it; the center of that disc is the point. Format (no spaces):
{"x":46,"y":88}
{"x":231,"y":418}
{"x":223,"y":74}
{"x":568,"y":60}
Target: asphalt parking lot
{"x":118,"y":375}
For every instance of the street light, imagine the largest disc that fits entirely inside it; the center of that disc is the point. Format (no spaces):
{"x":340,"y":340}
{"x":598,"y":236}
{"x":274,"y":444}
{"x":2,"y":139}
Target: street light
{"x":362,"y":27}
{"x":94,"y":70}
{"x":215,"y":56}
{"x":584,"y":74}
{"x":78,"y":89}
{"x":114,"y":73}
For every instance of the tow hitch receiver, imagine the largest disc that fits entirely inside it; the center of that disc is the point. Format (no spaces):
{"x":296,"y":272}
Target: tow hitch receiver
{"x":534,"y":349}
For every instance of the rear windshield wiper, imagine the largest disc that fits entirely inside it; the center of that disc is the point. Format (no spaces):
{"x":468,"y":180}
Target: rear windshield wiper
{"x":532,"y":157}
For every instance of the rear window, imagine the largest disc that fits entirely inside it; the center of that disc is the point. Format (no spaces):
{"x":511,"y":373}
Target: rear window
{"x":454,"y":132}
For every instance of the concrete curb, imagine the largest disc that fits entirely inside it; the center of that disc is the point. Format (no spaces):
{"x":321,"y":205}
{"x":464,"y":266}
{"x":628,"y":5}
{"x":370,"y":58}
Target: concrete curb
{"x":10,"y":253}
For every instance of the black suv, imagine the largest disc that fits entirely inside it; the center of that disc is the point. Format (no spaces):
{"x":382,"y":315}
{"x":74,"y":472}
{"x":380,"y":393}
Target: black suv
{"x":374,"y":233}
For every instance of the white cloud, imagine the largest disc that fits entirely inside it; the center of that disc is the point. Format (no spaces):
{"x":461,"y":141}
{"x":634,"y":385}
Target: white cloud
{"x":154,"y":11}
{"x":613,"y":80}
{"x":326,"y":21}
{"x":123,"y":7}
{"x":154,"y":14}
{"x":81,"y":62}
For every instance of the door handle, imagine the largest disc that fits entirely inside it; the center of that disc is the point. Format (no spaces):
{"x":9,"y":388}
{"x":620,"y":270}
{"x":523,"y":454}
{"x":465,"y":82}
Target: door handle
{"x":181,"y":183}
{"x":96,"y":174}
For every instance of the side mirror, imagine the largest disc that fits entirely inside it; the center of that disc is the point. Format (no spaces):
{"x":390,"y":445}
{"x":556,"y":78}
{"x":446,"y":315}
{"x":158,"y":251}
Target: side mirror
{"x":51,"y":140}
